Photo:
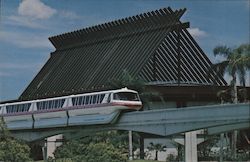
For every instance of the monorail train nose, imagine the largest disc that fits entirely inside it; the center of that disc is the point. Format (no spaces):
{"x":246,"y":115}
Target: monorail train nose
{"x":128,"y":104}
{"x":128,"y":99}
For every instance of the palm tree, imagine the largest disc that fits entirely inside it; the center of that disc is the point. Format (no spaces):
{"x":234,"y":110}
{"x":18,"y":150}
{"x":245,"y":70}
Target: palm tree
{"x":244,"y":62}
{"x":156,"y":147}
{"x":237,"y":63}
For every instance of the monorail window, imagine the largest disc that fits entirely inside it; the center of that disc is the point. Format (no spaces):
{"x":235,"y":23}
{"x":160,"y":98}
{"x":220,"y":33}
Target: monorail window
{"x":87,"y":100}
{"x":90,"y":99}
{"x":18,"y":108}
{"x":75,"y":100}
{"x":94,"y":99}
{"x":51,"y":104}
{"x":97,"y":99}
{"x":126,"y":96}
{"x":78,"y":100}
{"x":109,"y":98}
{"x":100,"y":98}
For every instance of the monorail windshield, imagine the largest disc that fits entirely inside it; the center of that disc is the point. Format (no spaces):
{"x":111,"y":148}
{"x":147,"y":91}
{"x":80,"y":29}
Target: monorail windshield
{"x":126,"y":96}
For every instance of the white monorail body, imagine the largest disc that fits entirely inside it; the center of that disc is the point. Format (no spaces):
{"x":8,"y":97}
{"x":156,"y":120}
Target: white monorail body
{"x":89,"y":108}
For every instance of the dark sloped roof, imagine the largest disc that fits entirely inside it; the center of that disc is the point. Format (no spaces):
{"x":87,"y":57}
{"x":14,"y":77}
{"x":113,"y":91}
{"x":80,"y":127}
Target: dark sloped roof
{"x":154,"y":46}
{"x":193,"y":68}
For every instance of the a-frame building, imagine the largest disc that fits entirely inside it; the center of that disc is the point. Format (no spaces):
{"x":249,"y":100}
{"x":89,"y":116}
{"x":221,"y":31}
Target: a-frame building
{"x":154,"y":46}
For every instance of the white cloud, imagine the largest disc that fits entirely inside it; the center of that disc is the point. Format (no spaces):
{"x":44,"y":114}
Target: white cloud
{"x":197,"y":33}
{"x":35,"y":14}
{"x":25,"y":40}
{"x":35,"y":9}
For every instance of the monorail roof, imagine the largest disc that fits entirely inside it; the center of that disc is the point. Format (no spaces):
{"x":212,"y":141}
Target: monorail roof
{"x":154,"y":46}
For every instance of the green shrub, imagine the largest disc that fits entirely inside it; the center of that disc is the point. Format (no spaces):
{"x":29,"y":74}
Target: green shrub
{"x":100,"y":152}
{"x":12,"y":150}
{"x":86,"y":151}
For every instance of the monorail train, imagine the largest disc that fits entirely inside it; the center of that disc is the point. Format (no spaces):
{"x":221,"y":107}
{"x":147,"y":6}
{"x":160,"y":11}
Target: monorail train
{"x":88,"y":108}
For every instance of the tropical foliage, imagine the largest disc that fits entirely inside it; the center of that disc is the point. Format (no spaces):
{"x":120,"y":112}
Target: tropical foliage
{"x":156,"y":147}
{"x":205,"y":152}
{"x":236,"y":63}
{"x":102,"y":152}
{"x":127,"y":80}
{"x":12,"y":150}
{"x":98,"y":152}
{"x":85,"y":149}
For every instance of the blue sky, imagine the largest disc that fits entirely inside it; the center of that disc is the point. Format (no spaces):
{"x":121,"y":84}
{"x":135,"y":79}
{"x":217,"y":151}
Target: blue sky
{"x":26,"y":25}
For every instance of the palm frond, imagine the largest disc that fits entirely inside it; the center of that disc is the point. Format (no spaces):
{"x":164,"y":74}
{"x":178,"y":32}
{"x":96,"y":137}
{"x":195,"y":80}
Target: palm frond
{"x":221,"y":67}
{"x":222,"y":50}
{"x":244,"y":48}
{"x":242,"y":76}
{"x":129,"y":81}
{"x":244,"y":51}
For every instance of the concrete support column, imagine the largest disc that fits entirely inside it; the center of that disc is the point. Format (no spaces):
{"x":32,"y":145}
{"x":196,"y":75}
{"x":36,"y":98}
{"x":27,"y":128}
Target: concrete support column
{"x":234,"y":142}
{"x":191,"y":147}
{"x":130,"y":145}
{"x":221,"y":146}
{"x":52,"y":144}
{"x":44,"y":150}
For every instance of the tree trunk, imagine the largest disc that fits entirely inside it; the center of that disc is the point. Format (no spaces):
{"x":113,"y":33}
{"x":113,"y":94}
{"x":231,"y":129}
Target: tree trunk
{"x":156,"y":155}
{"x":141,"y":145}
{"x":235,"y":132}
{"x":235,"y":95}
